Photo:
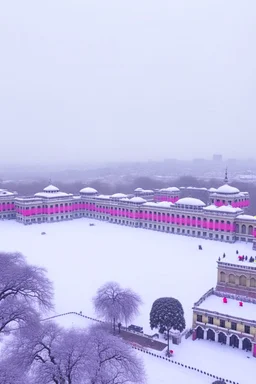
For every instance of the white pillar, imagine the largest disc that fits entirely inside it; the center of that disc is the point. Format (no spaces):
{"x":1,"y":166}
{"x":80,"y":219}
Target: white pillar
{"x":240,"y":343}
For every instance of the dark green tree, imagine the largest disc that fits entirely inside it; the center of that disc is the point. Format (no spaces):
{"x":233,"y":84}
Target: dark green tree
{"x":167,"y":315}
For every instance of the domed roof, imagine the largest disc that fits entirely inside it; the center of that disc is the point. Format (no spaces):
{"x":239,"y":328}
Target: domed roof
{"x":51,"y":192}
{"x":138,"y":200}
{"x":229,"y":208}
{"x":170,"y":189}
{"x":51,"y":188}
{"x":165,"y":204}
{"x":227,"y":189}
{"x":191,"y":201}
{"x":138,"y":190}
{"x":119,"y":195}
{"x":212,"y":189}
{"x":88,"y":190}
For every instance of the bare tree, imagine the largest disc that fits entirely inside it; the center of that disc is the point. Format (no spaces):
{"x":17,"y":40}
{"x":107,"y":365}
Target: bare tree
{"x":113,"y":361}
{"x":116,"y":304}
{"x":49,"y":354}
{"x":24,"y":289}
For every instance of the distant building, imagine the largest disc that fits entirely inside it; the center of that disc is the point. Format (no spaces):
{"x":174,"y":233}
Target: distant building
{"x":159,"y":210}
{"x":217,"y":158}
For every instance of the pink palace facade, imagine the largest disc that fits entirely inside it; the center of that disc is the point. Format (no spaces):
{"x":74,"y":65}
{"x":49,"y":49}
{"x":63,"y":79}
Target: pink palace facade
{"x":223,"y":219}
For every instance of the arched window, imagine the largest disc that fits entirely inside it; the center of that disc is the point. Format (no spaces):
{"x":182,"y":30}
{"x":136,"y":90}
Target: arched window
{"x":222,"y":277}
{"x":244,"y":229}
{"x":232,"y":279}
{"x":252,"y":282}
{"x":250,"y":230}
{"x":242,"y":281}
{"x":237,"y":228}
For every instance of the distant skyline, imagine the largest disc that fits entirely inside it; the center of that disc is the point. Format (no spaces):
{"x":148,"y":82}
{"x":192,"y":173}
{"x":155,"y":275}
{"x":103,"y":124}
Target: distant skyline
{"x":101,"y":81}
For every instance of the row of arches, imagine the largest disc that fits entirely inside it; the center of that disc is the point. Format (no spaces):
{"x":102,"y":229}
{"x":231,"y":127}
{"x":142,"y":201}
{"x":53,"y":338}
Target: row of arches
{"x":244,"y":229}
{"x":222,"y":338}
{"x":232,"y":279}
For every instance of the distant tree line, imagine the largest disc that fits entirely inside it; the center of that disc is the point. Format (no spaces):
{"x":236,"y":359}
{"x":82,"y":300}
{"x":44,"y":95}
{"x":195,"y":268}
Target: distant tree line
{"x":30,"y":188}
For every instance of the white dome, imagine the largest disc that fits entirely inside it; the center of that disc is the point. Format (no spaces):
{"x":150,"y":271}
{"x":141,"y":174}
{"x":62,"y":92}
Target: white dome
{"x":246,"y":217}
{"x":212,"y":189}
{"x":119,"y":195}
{"x":88,"y":190}
{"x":170,"y":189}
{"x":191,"y":201}
{"x":227,"y":189}
{"x":228,"y":208}
{"x":165,"y":204}
{"x":138,"y":200}
{"x":51,"y":188}
{"x":4,"y":192}
{"x":138,"y":190}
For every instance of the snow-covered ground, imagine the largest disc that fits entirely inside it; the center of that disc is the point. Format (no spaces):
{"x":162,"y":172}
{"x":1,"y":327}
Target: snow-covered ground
{"x":80,"y":258}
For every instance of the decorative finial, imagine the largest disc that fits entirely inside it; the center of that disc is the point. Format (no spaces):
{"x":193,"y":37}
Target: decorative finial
{"x":50,"y":181}
{"x":226,"y":176}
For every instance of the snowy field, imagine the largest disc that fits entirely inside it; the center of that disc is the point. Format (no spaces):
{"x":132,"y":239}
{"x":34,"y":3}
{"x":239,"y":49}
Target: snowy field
{"x":80,"y":258}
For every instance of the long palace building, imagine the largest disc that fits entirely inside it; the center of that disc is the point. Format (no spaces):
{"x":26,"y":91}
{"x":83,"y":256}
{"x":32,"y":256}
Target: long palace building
{"x":223,"y":219}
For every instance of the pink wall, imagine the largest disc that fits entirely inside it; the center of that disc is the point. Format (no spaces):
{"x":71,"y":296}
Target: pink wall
{"x":3,"y":207}
{"x":239,"y":204}
{"x":171,"y":199}
{"x":254,"y":232}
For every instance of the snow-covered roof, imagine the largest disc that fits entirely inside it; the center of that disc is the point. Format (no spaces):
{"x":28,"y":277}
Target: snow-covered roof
{"x":125,"y":199}
{"x":231,"y":308}
{"x":137,"y":200}
{"x":212,"y":189}
{"x":52,"y":192}
{"x":52,"y":195}
{"x":227,"y":189}
{"x":103,"y":197}
{"x":246,"y":217}
{"x":190,"y":201}
{"x":150,"y":204}
{"x":4,"y":192}
{"x":166,"y":204}
{"x":51,"y":188}
{"x":118,"y":195}
{"x":88,"y":190}
{"x":211,"y":207}
{"x":229,"y":208}
{"x":138,"y":190}
{"x":170,"y":189}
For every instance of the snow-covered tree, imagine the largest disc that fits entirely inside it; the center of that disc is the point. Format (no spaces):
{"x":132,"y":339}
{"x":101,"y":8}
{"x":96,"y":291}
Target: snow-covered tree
{"x":50,"y":354}
{"x":113,"y":361}
{"x":24,"y":289}
{"x":167,"y":315}
{"x":115,"y":304}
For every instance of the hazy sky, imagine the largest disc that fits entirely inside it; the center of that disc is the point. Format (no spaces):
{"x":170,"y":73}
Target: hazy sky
{"x":88,"y":80}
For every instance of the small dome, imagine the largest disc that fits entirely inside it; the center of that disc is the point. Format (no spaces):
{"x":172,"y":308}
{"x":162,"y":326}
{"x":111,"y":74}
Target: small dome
{"x":246,"y":217}
{"x":211,"y":208}
{"x":138,"y":200}
{"x":227,"y":189}
{"x":190,"y":201}
{"x":51,"y":188}
{"x":119,"y":195}
{"x":88,"y":190}
{"x":228,"y":208}
{"x":165,"y":204}
{"x":212,"y":189}
{"x":138,"y":190}
{"x":170,"y":189}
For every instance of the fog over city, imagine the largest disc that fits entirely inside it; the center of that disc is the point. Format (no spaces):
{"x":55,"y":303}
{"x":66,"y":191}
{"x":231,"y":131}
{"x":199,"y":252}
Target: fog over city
{"x":91,"y":80}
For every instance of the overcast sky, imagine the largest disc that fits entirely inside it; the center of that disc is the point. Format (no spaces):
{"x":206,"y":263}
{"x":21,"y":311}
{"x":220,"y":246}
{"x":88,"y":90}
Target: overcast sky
{"x":103,"y":80}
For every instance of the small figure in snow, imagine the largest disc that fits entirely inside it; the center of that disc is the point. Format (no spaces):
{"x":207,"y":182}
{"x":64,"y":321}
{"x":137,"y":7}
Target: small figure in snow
{"x":237,"y":252}
{"x":246,"y":258}
{"x":219,"y":258}
{"x":200,"y":247}
{"x":80,"y":313}
{"x":224,"y":255}
{"x":119,"y":327}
